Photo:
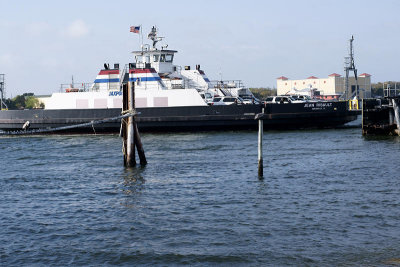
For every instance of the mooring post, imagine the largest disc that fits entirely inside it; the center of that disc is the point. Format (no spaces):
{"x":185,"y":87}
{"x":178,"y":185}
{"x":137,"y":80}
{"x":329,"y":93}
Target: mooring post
{"x":137,"y":141}
{"x":124,"y":121}
{"x":139,"y":146}
{"x":129,"y":130}
{"x":260,"y":152}
{"x":130,"y":133}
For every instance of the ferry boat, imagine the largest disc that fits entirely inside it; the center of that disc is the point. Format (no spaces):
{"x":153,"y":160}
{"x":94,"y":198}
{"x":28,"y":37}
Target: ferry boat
{"x":168,"y":98}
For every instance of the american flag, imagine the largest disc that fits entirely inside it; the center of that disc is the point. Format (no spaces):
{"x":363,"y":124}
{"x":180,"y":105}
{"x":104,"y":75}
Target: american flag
{"x":135,"y":29}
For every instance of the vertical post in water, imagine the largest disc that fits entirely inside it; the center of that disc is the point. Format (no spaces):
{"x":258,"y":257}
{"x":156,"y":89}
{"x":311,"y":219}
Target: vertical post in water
{"x":124,"y":121}
{"x":137,"y":141}
{"x":260,"y":138}
{"x":130,"y":138}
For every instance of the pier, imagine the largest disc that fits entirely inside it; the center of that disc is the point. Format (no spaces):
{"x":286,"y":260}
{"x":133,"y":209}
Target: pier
{"x":381,"y":116}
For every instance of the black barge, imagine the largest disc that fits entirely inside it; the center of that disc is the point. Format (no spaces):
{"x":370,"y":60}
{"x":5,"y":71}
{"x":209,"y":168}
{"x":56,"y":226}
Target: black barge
{"x":191,"y":118}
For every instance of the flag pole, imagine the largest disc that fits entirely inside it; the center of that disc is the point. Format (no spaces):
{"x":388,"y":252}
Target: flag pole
{"x":141,"y":33}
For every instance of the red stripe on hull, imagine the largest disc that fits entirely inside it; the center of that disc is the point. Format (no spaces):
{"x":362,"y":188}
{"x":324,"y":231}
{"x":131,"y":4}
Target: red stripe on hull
{"x":107,"y":72}
{"x":142,"y":70}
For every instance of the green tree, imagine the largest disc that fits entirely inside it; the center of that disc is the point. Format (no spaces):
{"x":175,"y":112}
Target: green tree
{"x":31,"y":102}
{"x":19,"y":101}
{"x":263,"y":93}
{"x":26,"y":100}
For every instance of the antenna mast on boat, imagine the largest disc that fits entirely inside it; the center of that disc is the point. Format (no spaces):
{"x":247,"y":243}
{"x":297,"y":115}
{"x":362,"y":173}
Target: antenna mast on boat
{"x":153,"y":36}
{"x":348,"y":66}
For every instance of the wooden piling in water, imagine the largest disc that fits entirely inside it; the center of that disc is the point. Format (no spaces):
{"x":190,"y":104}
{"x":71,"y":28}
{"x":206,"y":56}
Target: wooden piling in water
{"x":130,"y":134}
{"x":129,"y":129}
{"x":260,"y":117}
{"x":137,"y":140}
{"x":260,"y":154}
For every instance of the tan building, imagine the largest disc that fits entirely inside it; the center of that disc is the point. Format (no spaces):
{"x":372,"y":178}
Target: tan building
{"x":327,"y":88}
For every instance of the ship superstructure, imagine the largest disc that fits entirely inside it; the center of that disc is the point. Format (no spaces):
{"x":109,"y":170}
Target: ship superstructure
{"x":158,"y":83}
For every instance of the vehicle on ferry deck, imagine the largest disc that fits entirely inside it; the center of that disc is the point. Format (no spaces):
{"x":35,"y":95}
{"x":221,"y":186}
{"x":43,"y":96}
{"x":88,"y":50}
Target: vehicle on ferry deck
{"x":208,"y":97}
{"x":282,"y":99}
{"x":249,"y":99}
{"x":302,"y":97}
{"x":227,"y":100}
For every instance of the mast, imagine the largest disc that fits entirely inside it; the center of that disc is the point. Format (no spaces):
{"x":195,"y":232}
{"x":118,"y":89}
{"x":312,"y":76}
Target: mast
{"x":153,"y":36}
{"x":348,"y":66}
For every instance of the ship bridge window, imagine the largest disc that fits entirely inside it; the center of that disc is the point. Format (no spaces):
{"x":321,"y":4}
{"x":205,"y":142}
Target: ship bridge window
{"x":162,"y":58}
{"x":139,"y":59}
{"x":155,"y":58}
{"x":169,"y":57}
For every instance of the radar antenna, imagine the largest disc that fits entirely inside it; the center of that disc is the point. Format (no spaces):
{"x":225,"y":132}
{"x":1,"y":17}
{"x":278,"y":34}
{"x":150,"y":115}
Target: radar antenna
{"x":153,"y":36}
{"x":348,"y":66}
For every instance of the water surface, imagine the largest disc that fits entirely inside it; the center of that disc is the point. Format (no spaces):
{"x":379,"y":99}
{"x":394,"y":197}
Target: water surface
{"x":329,"y":197}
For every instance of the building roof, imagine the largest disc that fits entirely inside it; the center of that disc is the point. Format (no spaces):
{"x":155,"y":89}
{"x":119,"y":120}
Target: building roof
{"x":312,"y":77}
{"x":365,"y":75}
{"x":282,"y":78}
{"x":334,"y":75}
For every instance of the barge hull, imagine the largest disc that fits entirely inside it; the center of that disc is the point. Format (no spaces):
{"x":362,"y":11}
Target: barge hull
{"x":198,"y":118}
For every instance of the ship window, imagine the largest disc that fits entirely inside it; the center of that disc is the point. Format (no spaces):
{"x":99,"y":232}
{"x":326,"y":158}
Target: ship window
{"x":155,"y":58}
{"x":162,"y":58}
{"x":147,"y":59}
{"x":169,"y":58}
{"x":139,"y":59}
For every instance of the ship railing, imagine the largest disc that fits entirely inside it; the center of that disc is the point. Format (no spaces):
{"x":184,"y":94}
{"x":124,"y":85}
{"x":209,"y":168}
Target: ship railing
{"x":391,"y":92}
{"x":227,"y":84}
{"x":76,"y":87}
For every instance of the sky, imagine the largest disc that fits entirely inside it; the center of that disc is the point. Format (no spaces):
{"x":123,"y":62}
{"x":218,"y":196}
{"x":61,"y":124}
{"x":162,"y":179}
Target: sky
{"x":44,"y":43}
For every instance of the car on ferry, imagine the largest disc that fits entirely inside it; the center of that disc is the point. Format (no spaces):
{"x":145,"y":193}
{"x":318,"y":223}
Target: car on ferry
{"x":249,"y":99}
{"x":227,"y":100}
{"x":302,"y":97}
{"x":282,"y":99}
{"x":207,"y":97}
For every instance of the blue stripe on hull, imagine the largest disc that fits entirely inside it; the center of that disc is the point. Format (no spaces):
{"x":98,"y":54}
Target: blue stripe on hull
{"x":145,"y":79}
{"x":116,"y":80}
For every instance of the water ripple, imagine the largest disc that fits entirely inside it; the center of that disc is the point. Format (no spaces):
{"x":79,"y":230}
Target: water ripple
{"x":328,"y":198}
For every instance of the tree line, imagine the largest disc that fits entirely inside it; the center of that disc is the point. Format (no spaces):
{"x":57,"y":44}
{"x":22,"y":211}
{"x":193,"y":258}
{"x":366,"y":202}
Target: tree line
{"x":377,"y":88}
{"x":24,"y":101}
{"x":263,"y":92}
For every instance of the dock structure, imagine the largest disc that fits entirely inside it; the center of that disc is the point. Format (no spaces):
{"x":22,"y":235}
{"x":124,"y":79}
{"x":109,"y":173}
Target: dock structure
{"x":381,"y":116}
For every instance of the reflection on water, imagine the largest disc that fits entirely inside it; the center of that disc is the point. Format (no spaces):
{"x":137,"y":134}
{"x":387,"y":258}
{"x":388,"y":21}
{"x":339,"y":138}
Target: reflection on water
{"x":132,"y":185}
{"x":388,"y":138}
